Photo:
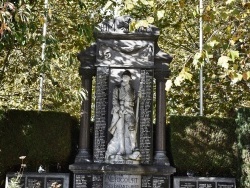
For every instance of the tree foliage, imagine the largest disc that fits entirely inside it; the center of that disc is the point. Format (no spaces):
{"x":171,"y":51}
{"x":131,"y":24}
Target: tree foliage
{"x":225,"y":55}
{"x":69,"y":29}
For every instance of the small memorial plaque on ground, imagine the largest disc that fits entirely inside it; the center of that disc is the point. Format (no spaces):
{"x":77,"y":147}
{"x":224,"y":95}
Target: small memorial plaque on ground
{"x":206,"y":184}
{"x":203,"y":182}
{"x":187,"y":184}
{"x":54,"y":182}
{"x":35,"y":182}
{"x":9,"y":179}
{"x":226,"y":185}
{"x":41,"y":180}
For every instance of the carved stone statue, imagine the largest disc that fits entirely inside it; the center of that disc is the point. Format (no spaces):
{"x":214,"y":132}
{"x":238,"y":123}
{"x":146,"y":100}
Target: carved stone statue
{"x":123,"y":145}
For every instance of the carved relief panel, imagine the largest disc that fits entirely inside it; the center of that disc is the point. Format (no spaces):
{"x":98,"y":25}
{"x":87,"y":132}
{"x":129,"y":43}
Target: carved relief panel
{"x":123,"y":127}
{"x":125,"y":53}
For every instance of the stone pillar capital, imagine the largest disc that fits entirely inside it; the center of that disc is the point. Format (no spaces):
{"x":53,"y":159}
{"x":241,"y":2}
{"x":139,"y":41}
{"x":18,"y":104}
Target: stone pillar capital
{"x":162,"y":71}
{"x":87,"y":73}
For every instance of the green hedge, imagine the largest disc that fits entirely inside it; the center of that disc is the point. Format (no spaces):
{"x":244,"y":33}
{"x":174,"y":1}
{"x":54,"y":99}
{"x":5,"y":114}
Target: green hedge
{"x":206,"y":146}
{"x":243,"y":132}
{"x":45,"y":138}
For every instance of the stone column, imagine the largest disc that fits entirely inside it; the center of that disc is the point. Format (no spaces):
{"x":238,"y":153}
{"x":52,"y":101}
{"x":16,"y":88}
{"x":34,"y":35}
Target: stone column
{"x":84,"y":155}
{"x":160,"y":157}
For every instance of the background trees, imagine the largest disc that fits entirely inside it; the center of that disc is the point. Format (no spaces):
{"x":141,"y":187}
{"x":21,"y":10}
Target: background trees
{"x":225,"y":56}
{"x":70,"y":29}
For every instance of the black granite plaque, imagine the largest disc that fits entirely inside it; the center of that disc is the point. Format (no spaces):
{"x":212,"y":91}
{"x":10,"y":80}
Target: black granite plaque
{"x":35,"y":182}
{"x":54,"y":182}
{"x":203,"y":182}
{"x":160,"y":181}
{"x":101,"y":114}
{"x":88,"y":181}
{"x":225,"y":185}
{"x":146,"y":181}
{"x":206,"y":184}
{"x":42,"y":180}
{"x":154,"y":182}
{"x":187,"y":184}
{"x":22,"y":181}
{"x":83,"y":180}
{"x":145,"y":141}
{"x":97,"y":181}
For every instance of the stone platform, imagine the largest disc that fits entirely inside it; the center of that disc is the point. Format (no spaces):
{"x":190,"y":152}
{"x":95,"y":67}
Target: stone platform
{"x":104,"y":175}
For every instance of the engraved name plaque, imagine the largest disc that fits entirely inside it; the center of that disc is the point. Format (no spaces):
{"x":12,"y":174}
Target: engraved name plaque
{"x":203,"y":182}
{"x":146,"y":117}
{"x":225,"y":184}
{"x":82,"y":180}
{"x":155,"y":182}
{"x":54,"y":182}
{"x":101,"y":114}
{"x":121,"y":181}
{"x":88,"y":180}
{"x":35,"y":182}
{"x":160,"y":182}
{"x":206,"y":184}
{"x":187,"y":184}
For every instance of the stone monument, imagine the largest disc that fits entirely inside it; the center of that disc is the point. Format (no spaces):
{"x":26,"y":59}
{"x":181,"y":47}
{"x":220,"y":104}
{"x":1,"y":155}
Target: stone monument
{"x":125,"y":154}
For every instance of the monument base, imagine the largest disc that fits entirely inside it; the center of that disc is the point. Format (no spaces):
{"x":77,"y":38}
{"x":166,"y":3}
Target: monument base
{"x":102,"y":175}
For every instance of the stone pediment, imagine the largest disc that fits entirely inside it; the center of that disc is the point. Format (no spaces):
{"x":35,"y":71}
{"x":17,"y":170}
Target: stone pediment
{"x":117,"y":46}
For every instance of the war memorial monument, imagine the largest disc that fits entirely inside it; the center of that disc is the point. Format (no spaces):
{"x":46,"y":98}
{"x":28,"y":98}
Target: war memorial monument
{"x":127,"y":67}
{"x":125,"y":148}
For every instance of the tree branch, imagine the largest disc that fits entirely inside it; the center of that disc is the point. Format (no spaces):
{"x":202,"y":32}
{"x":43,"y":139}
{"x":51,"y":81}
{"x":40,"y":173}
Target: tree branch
{"x":5,"y":64}
{"x":196,"y":45}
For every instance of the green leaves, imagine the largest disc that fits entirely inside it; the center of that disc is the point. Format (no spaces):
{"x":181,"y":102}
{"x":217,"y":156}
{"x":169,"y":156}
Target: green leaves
{"x":183,"y":75}
{"x":223,"y":61}
{"x":129,"y":4}
{"x":234,"y":55}
{"x":229,"y":1}
{"x":160,"y":14}
{"x":225,"y":56}
{"x":213,"y":43}
{"x":231,"y":71}
{"x":197,"y":60}
{"x":23,"y":13}
{"x":7,"y":10}
{"x":168,"y":85}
